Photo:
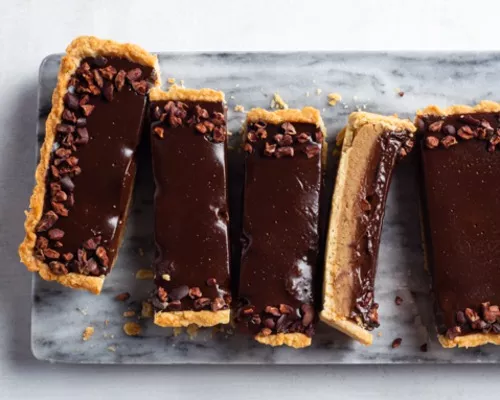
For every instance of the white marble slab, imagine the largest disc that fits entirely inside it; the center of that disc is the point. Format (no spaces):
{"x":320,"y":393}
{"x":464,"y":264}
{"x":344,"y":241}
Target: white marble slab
{"x":367,"y":81}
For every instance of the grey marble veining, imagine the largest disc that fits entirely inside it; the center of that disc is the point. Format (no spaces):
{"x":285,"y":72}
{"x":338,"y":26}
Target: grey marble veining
{"x":368,"y":81}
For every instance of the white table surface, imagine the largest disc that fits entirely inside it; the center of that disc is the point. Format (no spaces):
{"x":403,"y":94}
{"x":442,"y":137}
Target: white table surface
{"x":29,"y":30}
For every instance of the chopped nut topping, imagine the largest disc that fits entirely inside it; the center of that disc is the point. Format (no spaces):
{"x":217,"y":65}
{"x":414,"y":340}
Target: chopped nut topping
{"x":396,"y":343}
{"x":431,"y":142}
{"x":132,"y":329}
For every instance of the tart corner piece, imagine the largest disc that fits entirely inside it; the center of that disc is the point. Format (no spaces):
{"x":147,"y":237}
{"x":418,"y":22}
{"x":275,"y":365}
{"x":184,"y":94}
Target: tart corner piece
{"x":189,"y":134}
{"x":87,"y":77}
{"x":283,"y":162}
{"x":357,"y":212}
{"x":460,"y":196}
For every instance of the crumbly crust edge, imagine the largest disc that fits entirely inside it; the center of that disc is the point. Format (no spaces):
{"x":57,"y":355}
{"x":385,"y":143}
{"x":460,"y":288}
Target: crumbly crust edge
{"x":79,"y":48}
{"x":295,"y":340}
{"x":350,"y":328}
{"x":177,"y":93}
{"x":177,"y":319}
{"x":358,"y":119}
{"x":482,"y":106}
{"x":472,"y":340}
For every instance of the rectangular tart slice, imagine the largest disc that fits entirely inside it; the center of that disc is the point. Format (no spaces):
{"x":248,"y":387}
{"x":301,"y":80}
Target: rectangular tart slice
{"x":371,"y":146}
{"x":87,"y":162}
{"x":280,"y":238}
{"x":461,"y":222}
{"x":189,"y":148}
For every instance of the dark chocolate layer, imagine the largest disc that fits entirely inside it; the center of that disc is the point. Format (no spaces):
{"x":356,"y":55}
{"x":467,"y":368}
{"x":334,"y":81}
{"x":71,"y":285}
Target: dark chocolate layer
{"x":280,"y":227}
{"x":461,"y":198}
{"x":191,"y":208}
{"x":372,"y":199}
{"x":102,"y":133}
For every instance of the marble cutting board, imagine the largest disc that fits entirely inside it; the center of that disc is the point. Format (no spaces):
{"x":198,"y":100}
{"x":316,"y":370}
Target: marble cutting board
{"x":366,"y":81}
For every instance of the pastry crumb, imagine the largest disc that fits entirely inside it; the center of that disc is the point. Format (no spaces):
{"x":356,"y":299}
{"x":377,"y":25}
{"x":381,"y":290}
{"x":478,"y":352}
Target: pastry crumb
{"x":239,"y":108}
{"x":87,"y":333}
{"x":318,"y":91}
{"x":277,"y":102}
{"x":181,"y":82}
{"x":106,"y":322}
{"x":307,"y":94}
{"x":112,"y":348}
{"x":147,"y":309}
{"x":171,"y":81}
{"x":144,"y":273}
{"x":132,"y":328}
{"x":129,"y":313}
{"x":379,"y":334}
{"x":165,"y":277}
{"x":192,"y":330}
{"x":334,"y":98}
{"x":231,"y":97}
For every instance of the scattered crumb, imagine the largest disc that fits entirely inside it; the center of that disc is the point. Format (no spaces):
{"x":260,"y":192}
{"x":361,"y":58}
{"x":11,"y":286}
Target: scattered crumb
{"x":398,"y":300}
{"x":106,"y":322}
{"x":192,"y":330}
{"x":231,"y":97}
{"x":132,"y":328}
{"x":177,"y":331}
{"x":424,"y":348}
{"x":181,"y":82}
{"x":396,"y":343}
{"x":83,"y":311}
{"x":144,"y":273}
{"x":87,"y":333}
{"x":122,"y":296}
{"x":112,"y":348}
{"x":239,"y":108}
{"x":141,"y":252}
{"x":278,"y":103}
{"x":129,"y":313}
{"x":307,"y":94}
{"x":334,"y":98}
{"x":147,"y":309}
{"x":165,"y":277}
{"x":401,"y":94}
{"x":346,"y":106}
{"x":318,"y":91}
{"x":171,"y":81}
{"x":379,"y":334}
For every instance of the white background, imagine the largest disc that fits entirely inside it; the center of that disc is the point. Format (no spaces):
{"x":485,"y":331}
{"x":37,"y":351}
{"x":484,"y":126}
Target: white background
{"x":29,"y":30}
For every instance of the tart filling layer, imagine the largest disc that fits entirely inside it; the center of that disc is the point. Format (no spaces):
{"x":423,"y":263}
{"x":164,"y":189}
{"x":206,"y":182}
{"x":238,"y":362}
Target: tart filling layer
{"x":460,"y":198}
{"x":189,"y":149}
{"x":371,"y":146}
{"x":280,"y":225}
{"x":87,"y":167}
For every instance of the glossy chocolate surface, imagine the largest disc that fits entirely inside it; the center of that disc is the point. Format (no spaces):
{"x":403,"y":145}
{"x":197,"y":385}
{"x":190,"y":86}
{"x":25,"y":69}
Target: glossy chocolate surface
{"x":372,"y":200}
{"x":280,"y":224}
{"x":103,"y":189}
{"x":461,"y":198}
{"x":191,"y":208}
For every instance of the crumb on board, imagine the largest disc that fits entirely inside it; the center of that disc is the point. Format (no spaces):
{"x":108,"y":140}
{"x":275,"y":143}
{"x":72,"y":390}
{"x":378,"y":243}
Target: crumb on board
{"x":112,"y":348}
{"x":147,"y":309}
{"x":165,"y":277}
{"x":87,"y":333}
{"x":192,"y":331}
{"x":122,"y":296}
{"x":231,"y":97}
{"x":144,"y":273}
{"x":132,"y":328}
{"x":82,"y":310}
{"x":181,"y":82}
{"x":307,"y":94}
{"x":379,"y":333}
{"x":277,"y":102}
{"x":171,"y":81}
{"x":396,"y":343}
{"x":399,"y":92}
{"x":106,"y":322}
{"x":239,"y":108}
{"x":129,"y":313}
{"x":318,"y":91}
{"x":334,"y":98}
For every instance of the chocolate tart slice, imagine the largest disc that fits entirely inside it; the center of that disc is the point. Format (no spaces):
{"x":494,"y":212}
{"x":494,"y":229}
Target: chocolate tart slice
{"x":280,"y":239}
{"x":87,"y":162}
{"x":461,"y":222}
{"x":189,"y":148}
{"x":371,"y":146}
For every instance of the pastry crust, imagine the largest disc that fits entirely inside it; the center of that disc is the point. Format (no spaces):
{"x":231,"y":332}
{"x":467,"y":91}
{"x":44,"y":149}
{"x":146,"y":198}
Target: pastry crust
{"x":177,"y":93}
{"x":482,"y":106}
{"x":360,"y":137}
{"x":472,"y":340}
{"x":79,"y":48}
{"x":176,"y":319}
{"x":295,"y":340}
